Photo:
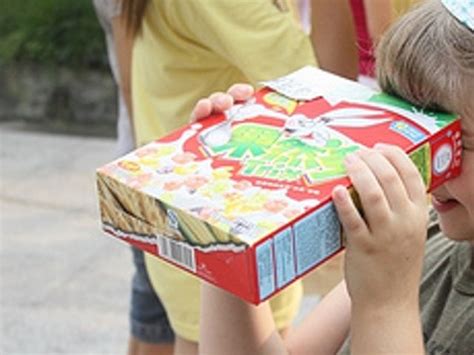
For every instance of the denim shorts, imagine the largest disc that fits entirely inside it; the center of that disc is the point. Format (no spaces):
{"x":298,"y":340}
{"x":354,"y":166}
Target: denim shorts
{"x":148,"y":320}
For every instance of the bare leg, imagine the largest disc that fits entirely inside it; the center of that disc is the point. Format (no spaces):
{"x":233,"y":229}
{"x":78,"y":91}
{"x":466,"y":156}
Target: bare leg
{"x":138,"y":347}
{"x":185,"y":347}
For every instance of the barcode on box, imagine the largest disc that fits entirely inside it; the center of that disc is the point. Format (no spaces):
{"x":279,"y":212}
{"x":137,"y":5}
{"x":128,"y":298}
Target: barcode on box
{"x":178,"y":252}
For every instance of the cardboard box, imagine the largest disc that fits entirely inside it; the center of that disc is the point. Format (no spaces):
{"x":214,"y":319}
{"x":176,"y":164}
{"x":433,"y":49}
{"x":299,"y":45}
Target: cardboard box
{"x":245,"y":204}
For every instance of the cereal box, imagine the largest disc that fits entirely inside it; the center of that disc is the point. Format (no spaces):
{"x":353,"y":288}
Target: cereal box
{"x":243,"y":199}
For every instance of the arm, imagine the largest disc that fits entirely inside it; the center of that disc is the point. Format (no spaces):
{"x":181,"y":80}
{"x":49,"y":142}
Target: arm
{"x":385,"y":250}
{"x":123,"y":47}
{"x":333,"y":37}
{"x":324,"y":330}
{"x":379,"y":15}
{"x":229,"y":325}
{"x":226,"y":320}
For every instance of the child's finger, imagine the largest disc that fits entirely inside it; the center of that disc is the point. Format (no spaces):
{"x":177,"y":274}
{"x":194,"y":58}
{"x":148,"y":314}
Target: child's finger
{"x":352,"y":222}
{"x":221,"y":101}
{"x":372,"y":197}
{"x":409,"y":174}
{"x":387,"y":177}
{"x":202,"y":109}
{"x":241,"y":92}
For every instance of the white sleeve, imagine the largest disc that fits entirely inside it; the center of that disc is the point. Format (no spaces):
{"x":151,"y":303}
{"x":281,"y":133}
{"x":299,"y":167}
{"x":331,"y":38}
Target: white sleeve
{"x":108,"y":9}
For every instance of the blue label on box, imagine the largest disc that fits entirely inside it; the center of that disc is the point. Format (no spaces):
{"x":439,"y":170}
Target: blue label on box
{"x":316,"y":237}
{"x":408,"y":131}
{"x":265,"y":269}
{"x":285,"y":257}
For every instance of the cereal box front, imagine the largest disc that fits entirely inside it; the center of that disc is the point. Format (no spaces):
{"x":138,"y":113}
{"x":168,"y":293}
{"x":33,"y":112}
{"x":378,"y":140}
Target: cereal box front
{"x":242,"y":199}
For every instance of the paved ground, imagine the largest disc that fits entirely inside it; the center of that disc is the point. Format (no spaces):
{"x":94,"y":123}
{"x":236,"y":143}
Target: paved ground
{"x":64,"y":284}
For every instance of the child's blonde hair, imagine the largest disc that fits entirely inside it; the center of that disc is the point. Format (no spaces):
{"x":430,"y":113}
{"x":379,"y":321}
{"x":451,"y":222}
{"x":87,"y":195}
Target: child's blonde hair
{"x":427,"y":58}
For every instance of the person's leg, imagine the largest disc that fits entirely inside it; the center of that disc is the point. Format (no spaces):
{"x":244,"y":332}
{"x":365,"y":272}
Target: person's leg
{"x":185,"y":347}
{"x":150,"y":331}
{"x":138,"y":347}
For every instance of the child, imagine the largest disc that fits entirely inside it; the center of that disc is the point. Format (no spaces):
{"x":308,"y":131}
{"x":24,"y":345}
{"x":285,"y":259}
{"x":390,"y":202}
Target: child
{"x":426,"y":58}
{"x":186,"y":50}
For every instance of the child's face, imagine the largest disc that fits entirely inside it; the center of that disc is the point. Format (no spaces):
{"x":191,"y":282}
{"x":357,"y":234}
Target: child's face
{"x":454,"y":201}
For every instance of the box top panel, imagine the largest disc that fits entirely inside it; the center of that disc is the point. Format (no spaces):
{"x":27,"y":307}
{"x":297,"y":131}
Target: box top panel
{"x":253,"y":170}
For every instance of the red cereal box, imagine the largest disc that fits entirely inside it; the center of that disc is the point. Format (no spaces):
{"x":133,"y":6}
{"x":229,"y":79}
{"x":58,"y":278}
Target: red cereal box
{"x":243,"y":199}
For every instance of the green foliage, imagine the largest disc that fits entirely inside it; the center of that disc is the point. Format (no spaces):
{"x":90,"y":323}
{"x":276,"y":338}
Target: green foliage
{"x":52,"y":32}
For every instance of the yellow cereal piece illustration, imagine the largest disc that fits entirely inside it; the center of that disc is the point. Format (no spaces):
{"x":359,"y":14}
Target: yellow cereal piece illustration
{"x":280,"y":101}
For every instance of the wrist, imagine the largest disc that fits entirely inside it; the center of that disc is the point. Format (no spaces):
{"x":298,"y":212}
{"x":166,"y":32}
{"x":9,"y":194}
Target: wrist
{"x":389,"y":305}
{"x":392,"y":328}
{"x":390,"y":298}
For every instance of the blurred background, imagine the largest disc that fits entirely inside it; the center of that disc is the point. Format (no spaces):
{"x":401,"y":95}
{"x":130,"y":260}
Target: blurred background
{"x":64,"y":285}
{"x":54,"y":67}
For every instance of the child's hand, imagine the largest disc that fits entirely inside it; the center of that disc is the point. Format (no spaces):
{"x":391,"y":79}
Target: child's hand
{"x":219,"y":101}
{"x":385,"y":247}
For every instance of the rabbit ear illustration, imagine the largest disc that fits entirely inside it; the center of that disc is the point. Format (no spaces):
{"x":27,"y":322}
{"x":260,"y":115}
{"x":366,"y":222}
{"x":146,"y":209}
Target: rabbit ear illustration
{"x":354,"y":117}
{"x":357,"y":122}
{"x":353,"y":112}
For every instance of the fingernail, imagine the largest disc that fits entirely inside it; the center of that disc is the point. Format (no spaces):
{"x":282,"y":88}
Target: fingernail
{"x":380,"y":145}
{"x":350,"y":158}
{"x":220,"y":101}
{"x":339,"y":192}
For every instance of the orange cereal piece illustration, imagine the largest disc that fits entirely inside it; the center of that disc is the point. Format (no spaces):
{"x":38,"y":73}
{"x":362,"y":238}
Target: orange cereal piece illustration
{"x":172,"y":185}
{"x":195,"y":182}
{"x":206,"y":213}
{"x":275,"y":206}
{"x":139,"y":181}
{"x":146,"y":151}
{"x":243,"y":185}
{"x":183,"y":158}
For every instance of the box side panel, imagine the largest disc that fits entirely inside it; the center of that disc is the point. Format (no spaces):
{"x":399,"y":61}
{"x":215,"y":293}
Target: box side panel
{"x":175,"y":237}
{"x":439,"y":157}
{"x":296,"y":250}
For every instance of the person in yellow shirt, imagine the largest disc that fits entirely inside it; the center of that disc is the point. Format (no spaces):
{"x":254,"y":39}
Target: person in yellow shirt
{"x":186,"y":50}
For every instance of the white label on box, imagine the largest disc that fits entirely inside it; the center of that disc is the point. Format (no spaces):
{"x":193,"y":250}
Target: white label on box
{"x":178,"y":252}
{"x":309,"y":83}
{"x":442,"y":159}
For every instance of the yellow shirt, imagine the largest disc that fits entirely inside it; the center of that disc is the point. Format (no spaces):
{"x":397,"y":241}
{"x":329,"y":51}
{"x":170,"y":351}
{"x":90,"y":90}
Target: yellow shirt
{"x":191,"y":48}
{"x":402,"y":6}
